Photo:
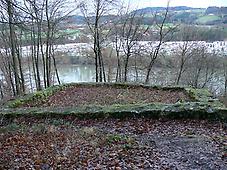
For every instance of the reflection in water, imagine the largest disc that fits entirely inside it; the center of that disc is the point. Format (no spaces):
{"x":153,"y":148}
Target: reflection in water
{"x":86,"y":73}
{"x":159,"y":76}
{"x":76,"y":73}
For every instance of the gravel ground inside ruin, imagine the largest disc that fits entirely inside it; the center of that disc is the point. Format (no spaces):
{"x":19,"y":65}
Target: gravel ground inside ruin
{"x":112,"y":144}
{"x":107,"y":95}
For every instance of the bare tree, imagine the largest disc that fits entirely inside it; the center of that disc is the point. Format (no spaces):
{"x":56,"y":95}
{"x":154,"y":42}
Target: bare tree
{"x":162,"y":34}
{"x":225,"y":76}
{"x":127,"y":35}
{"x":117,"y":44}
{"x":95,"y":19}
{"x":9,"y":17}
{"x":35,"y":23}
{"x":45,"y":17}
{"x":185,"y":50}
{"x":203,"y":68}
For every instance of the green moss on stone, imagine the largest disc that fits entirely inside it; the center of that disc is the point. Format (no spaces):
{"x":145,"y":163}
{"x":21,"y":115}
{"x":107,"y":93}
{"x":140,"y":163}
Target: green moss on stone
{"x":202,"y":105}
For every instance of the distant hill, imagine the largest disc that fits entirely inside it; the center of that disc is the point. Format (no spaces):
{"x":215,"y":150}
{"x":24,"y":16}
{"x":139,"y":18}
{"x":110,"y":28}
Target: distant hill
{"x":179,"y":14}
{"x":216,"y":10}
{"x":77,"y":19}
{"x":188,"y":15}
{"x":158,"y":9}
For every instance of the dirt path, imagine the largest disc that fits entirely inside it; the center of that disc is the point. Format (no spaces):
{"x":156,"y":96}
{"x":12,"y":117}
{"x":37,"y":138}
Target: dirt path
{"x":112,"y":144}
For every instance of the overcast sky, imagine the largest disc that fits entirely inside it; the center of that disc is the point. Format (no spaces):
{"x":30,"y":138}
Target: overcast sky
{"x":190,"y":3}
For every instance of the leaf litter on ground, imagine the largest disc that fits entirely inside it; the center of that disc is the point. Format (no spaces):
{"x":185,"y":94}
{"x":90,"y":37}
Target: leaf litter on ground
{"x":112,"y":144}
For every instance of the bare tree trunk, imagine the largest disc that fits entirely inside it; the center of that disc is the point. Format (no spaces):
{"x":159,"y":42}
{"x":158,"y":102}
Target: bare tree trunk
{"x":1,"y":90}
{"x":154,"y":55}
{"x":44,"y":64}
{"x":180,"y":72}
{"x":225,"y":75}
{"x":13,"y":47}
{"x":197,"y":77}
{"x":39,"y":87}
{"x":22,"y":81}
{"x":136,"y":70}
{"x":126,"y":67}
{"x":97,"y":44}
{"x":103,"y":69}
{"x":96,"y":68}
{"x":162,"y":35}
{"x":10,"y":76}
{"x":118,"y":74}
{"x":149,"y":70}
{"x":48,"y":76}
{"x":55,"y":67}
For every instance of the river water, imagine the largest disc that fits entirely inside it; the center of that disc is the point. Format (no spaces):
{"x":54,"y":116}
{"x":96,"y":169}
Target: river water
{"x":159,"y":76}
{"x":86,"y":73}
{"x":76,"y":73}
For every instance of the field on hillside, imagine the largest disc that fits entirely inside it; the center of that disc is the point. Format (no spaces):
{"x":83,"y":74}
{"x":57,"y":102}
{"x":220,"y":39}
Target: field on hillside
{"x":207,"y":18}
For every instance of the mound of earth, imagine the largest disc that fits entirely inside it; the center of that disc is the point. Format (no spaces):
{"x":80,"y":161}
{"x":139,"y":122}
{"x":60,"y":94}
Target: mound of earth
{"x":109,"y":95}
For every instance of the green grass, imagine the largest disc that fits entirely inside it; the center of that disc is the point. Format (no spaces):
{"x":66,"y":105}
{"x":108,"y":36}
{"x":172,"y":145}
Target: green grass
{"x":197,"y":11}
{"x":166,"y":26}
{"x":208,"y":18}
{"x":67,"y":32}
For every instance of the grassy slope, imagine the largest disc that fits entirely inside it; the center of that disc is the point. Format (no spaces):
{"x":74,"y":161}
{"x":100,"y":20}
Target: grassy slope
{"x":207,"y":18}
